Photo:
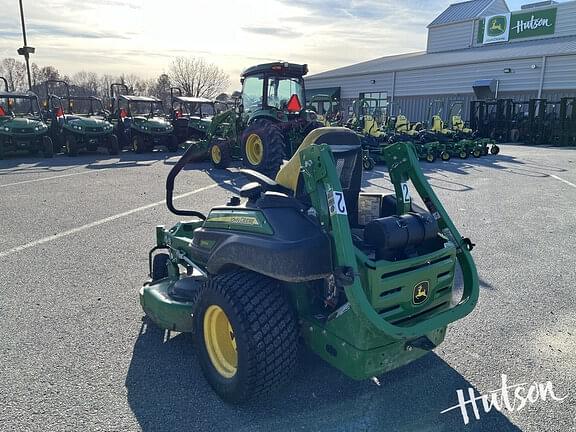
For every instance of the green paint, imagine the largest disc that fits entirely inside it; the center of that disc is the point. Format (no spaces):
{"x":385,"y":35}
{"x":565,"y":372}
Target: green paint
{"x":522,"y":25}
{"x":239,"y":220}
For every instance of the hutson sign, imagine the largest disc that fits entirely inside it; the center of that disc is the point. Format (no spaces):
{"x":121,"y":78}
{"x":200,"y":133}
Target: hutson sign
{"x":517,"y":25}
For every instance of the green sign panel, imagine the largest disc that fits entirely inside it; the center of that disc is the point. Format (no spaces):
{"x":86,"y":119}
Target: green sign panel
{"x":517,"y":25}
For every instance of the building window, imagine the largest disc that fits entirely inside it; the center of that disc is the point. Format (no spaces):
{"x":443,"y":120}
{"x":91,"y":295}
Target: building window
{"x":377,"y":101}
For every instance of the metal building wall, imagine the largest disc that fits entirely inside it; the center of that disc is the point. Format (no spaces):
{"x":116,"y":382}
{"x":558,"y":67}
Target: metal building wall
{"x":450,"y":37}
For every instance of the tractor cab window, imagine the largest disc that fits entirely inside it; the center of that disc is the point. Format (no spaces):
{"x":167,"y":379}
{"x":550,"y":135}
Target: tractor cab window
{"x":252,"y":92}
{"x":281,"y":89}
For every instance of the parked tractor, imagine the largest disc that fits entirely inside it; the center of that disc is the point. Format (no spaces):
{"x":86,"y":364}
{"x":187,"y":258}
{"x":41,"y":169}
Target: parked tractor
{"x":21,"y":125}
{"x":192,"y":116}
{"x":140,"y":122}
{"x":78,"y":123}
{"x":270,"y":122}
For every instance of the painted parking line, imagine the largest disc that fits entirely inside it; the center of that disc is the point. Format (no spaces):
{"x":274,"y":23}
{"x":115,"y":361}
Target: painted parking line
{"x":101,"y":222}
{"x":53,"y":177}
{"x":562,"y":180}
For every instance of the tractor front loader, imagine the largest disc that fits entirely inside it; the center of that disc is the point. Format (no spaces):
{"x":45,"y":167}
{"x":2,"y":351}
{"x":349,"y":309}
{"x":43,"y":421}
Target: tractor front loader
{"x":365,"y":279}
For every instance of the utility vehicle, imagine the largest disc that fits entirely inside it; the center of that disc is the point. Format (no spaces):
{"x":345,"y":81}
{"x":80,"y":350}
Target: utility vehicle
{"x":21,"y":125}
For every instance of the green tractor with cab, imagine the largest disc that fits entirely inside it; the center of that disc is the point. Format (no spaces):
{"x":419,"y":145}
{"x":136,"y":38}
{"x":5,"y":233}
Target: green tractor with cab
{"x":366,"y":280}
{"x":268,"y":124}
{"x":192,"y":116}
{"x":140,"y":122}
{"x":78,"y":123}
{"x":22,"y":127}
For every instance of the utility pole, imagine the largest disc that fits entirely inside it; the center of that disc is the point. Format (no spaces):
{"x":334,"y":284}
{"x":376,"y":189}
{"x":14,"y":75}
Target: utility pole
{"x":26,"y":50}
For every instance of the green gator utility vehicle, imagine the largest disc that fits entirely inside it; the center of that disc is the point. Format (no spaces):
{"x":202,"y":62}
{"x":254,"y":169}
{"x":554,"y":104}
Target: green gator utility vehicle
{"x":140,"y":121}
{"x":191,"y":116}
{"x":21,"y":125}
{"x":78,"y":123}
{"x":269,"y":123}
{"x":365,"y":279}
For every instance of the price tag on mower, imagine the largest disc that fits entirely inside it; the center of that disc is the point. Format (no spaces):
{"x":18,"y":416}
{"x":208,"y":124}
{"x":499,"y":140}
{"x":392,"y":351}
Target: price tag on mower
{"x":336,"y":203}
{"x":405,"y":193}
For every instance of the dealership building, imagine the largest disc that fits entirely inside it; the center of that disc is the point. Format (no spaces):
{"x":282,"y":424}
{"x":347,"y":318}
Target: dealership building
{"x":475,"y":49}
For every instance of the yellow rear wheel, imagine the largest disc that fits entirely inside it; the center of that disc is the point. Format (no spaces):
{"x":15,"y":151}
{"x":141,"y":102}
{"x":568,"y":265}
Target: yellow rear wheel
{"x":216,"y":154}
{"x":254,"y":149}
{"x":220,"y":341}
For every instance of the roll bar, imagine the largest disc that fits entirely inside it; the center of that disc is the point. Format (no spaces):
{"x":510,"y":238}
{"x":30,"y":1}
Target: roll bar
{"x":5,"y":83}
{"x":186,"y":157}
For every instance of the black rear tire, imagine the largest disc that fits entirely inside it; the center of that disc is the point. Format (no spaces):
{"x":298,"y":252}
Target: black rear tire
{"x":463,"y":154}
{"x":71,"y":145}
{"x":47,"y":147}
{"x":272,"y":142}
{"x":495,"y":149}
{"x":160,"y":266}
{"x":445,"y":156}
{"x":264,"y":330}
{"x":477,"y":153}
{"x":113,"y":146}
{"x":430,"y":157}
{"x":138,"y":144}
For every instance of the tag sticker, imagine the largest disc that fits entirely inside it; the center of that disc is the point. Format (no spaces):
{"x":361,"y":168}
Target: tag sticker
{"x":337,"y":204}
{"x":405,"y":193}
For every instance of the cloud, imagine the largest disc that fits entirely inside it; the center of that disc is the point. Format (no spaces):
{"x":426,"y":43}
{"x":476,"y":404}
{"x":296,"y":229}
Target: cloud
{"x":272,"y":31}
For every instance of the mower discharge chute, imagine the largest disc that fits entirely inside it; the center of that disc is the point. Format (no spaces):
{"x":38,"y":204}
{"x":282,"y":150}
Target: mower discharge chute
{"x":366,"y":279}
{"x":22,"y":127}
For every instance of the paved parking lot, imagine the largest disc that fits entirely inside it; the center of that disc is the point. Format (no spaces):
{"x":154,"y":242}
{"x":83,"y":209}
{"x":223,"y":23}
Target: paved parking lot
{"x":77,"y":355}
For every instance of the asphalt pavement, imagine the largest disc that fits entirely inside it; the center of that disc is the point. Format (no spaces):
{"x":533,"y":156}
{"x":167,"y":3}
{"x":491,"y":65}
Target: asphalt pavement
{"x":77,"y":353}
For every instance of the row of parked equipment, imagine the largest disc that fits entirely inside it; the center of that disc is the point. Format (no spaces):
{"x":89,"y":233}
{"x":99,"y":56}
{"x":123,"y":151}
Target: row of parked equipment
{"x":75,"y":123}
{"x":535,"y":122}
{"x":432,"y":139}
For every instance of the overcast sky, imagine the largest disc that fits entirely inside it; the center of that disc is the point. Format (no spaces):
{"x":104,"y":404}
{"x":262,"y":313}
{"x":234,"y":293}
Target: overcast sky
{"x":141,"y":36}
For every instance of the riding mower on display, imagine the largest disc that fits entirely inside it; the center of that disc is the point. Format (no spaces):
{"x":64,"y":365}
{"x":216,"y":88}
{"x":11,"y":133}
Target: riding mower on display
{"x":327,"y":110}
{"x":365,"y":279}
{"x":140,"y":121}
{"x":483,"y":146}
{"x":21,"y":125}
{"x":191,"y":116}
{"x":78,"y":123}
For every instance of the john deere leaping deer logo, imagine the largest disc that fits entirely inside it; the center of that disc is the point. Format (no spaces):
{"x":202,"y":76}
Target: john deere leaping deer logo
{"x":421,"y":291}
{"x":497,"y":25}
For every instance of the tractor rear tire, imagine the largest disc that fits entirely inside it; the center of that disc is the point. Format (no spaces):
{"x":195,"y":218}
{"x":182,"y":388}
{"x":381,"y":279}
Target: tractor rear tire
{"x":246,"y":334}
{"x":47,"y":147}
{"x":220,"y":154}
{"x":263,"y":147}
{"x":113,"y":146}
{"x":138,"y":144}
{"x":71,"y":145}
{"x":160,"y":266}
{"x":445,"y":156}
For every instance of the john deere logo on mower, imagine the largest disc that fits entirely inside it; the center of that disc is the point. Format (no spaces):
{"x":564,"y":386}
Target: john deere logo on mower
{"x":421,"y":292}
{"x":497,"y":25}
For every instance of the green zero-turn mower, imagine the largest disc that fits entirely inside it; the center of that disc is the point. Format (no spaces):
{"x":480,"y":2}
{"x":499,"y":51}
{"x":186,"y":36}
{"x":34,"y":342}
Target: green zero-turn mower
{"x":78,"y":122}
{"x":140,"y":122}
{"x":191,"y":116}
{"x":366,"y":279}
{"x":21,"y":125}
{"x":269,"y":123}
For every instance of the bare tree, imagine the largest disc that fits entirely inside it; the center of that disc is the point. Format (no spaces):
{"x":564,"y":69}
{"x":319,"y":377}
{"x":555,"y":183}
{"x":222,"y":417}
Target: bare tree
{"x":14,"y":72}
{"x":85,"y":83}
{"x":198,"y":78}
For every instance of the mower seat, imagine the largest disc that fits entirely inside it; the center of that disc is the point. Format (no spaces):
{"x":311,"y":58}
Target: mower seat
{"x":437,"y":124}
{"x":402,"y":124}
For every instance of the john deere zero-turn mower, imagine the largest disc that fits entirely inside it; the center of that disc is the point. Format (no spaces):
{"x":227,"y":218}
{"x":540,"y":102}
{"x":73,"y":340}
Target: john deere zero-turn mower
{"x":269,"y":123}
{"x":191,"y":116}
{"x":366,"y":279}
{"x":140,"y":121}
{"x":482,"y":146}
{"x":78,"y":122}
{"x":21,"y":125}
